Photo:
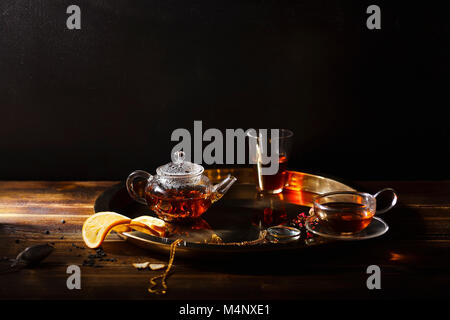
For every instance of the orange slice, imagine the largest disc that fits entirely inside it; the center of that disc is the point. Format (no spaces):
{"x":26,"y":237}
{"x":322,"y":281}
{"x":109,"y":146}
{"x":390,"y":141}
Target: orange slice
{"x":121,"y":228}
{"x":96,"y":227}
{"x":150,"y":225}
{"x":143,"y":228}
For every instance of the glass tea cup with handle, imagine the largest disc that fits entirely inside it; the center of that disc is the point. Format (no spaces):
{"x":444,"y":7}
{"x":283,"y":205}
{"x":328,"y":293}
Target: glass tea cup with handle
{"x":349,"y":212}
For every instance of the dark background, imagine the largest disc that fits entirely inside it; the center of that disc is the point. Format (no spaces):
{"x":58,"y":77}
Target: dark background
{"x":99,"y":102}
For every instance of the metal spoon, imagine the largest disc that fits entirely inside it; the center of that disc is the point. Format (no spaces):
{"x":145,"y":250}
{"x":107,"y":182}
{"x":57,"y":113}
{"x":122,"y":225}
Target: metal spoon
{"x":29,"y":257}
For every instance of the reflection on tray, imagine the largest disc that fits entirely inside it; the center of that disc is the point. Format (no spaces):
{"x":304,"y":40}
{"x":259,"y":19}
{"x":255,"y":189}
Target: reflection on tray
{"x":198,"y":231}
{"x":270,"y":210}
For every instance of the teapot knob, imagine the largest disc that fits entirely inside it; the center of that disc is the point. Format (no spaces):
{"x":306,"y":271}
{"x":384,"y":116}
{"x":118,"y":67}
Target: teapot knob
{"x":178,"y":157}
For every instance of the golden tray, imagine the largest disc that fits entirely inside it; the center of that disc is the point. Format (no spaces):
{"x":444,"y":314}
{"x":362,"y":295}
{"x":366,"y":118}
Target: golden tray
{"x":235,"y":224}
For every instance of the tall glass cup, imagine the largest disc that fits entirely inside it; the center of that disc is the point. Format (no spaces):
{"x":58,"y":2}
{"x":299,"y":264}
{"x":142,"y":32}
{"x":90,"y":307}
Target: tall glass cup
{"x":281,"y":144}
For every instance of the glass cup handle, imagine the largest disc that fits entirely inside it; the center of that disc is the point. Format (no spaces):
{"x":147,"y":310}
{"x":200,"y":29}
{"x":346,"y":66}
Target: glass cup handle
{"x":138,"y":174}
{"x":394,"y":199}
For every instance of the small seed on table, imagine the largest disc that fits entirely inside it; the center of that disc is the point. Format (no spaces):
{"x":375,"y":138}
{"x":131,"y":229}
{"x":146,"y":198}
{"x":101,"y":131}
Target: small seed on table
{"x":142,"y":265}
{"x":157,"y":266}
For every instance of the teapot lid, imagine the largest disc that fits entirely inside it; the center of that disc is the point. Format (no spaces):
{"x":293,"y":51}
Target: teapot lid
{"x":179,"y":167}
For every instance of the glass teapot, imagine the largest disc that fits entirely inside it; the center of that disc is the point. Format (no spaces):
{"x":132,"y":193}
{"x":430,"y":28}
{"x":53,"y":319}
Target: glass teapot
{"x":178,"y":191}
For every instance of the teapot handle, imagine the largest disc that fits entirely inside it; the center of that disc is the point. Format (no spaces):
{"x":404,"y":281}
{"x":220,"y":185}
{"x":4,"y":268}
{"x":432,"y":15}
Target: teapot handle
{"x":131,"y":183}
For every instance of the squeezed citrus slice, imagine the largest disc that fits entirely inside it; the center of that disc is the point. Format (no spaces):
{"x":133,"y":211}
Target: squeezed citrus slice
{"x":150,"y":225}
{"x":121,"y":228}
{"x":97,"y":227}
{"x":143,"y":228}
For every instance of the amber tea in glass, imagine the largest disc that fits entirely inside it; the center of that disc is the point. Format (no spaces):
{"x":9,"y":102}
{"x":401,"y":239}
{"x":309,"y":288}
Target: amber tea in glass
{"x":176,"y":204}
{"x":348,"y":212}
{"x":272,"y":183}
{"x":347,"y":217}
{"x":276,"y":182}
{"x":178,"y":191}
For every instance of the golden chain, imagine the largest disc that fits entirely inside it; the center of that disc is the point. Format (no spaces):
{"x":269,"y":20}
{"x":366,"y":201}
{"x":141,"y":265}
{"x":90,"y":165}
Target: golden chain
{"x":164,"y":275}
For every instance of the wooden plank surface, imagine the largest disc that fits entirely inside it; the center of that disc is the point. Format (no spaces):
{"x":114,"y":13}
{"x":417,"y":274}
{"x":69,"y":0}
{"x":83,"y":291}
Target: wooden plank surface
{"x":414,"y":254}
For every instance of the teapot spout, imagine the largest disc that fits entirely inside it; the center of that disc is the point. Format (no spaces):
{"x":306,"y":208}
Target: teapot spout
{"x":222,"y":187}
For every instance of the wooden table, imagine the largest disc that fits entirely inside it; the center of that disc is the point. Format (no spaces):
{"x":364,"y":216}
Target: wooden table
{"x":413,"y":255}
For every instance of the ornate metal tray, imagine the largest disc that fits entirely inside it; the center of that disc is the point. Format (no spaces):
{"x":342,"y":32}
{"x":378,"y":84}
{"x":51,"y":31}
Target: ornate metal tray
{"x":235,"y":224}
